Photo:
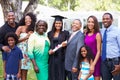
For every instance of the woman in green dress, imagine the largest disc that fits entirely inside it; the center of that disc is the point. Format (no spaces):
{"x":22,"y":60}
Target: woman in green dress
{"x":38,"y":46}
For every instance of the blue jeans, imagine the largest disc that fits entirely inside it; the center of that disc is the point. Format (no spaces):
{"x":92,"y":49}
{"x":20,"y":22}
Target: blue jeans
{"x":107,"y":67}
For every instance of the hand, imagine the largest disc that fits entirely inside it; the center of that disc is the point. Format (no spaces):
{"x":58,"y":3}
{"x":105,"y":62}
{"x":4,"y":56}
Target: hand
{"x":85,"y":31}
{"x":64,"y":43}
{"x":6,"y":49}
{"x":27,"y":36}
{"x":74,"y":69}
{"x":92,"y":68}
{"x":79,"y":77}
{"x":51,"y":51}
{"x":18,"y":75}
{"x":36,"y":69}
{"x":4,"y":75}
{"x":116,"y":70}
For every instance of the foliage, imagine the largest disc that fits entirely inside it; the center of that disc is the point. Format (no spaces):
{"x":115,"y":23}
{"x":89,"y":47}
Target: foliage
{"x":61,"y":4}
{"x":107,"y":5}
{"x":86,"y":5}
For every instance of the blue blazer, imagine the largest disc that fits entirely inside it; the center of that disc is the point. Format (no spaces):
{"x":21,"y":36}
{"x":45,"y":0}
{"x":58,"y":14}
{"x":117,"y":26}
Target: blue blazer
{"x":73,"y":46}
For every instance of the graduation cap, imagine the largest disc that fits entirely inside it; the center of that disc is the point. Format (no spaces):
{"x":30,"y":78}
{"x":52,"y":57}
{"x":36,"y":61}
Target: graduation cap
{"x":58,"y":17}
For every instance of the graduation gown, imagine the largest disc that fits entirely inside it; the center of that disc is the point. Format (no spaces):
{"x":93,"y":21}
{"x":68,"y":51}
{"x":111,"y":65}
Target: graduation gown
{"x":56,"y":60}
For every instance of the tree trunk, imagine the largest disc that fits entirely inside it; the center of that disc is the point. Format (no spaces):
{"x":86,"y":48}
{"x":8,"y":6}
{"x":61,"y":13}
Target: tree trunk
{"x":31,"y":6}
{"x":16,"y":6}
{"x":12,"y":5}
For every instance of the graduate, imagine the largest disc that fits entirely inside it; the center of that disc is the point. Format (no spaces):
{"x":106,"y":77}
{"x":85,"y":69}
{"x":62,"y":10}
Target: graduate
{"x":57,"y":37}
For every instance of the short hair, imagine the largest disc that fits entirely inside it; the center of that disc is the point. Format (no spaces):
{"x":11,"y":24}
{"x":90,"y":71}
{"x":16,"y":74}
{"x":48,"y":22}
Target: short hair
{"x":11,"y":34}
{"x":79,"y":21}
{"x":109,"y":15}
{"x":11,"y":11}
{"x":44,"y":22}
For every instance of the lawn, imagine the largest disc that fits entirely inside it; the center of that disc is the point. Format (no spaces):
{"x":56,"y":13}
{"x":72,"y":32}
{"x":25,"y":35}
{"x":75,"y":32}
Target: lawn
{"x":31,"y":74}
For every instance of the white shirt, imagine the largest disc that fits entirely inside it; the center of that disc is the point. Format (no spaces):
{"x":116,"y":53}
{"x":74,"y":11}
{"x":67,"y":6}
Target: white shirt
{"x":73,"y":34}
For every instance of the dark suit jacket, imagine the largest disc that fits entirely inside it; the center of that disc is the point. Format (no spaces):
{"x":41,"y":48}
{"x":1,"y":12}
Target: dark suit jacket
{"x":73,"y":46}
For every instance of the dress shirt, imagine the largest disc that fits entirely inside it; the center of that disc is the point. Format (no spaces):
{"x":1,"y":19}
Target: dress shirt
{"x":112,"y":42}
{"x":72,"y":35}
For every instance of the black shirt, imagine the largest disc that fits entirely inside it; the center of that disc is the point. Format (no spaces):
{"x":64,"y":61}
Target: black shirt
{"x":6,"y":28}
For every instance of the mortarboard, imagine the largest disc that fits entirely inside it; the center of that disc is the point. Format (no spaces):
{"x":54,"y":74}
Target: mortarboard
{"x":58,"y":17}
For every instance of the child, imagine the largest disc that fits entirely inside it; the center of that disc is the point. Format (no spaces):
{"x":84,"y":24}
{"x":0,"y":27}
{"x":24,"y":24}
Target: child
{"x":12,"y":59}
{"x":85,"y":58}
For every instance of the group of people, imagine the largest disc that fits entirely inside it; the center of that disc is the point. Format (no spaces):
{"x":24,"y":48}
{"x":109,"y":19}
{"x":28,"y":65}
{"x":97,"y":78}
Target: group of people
{"x":60,"y":55}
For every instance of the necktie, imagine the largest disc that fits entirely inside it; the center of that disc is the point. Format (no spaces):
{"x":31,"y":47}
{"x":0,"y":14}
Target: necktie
{"x":104,"y":45}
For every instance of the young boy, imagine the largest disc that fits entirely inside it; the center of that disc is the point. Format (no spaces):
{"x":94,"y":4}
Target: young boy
{"x":12,"y":59}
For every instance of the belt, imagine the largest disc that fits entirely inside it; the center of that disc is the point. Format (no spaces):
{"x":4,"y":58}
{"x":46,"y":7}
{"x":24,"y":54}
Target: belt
{"x":113,"y":59}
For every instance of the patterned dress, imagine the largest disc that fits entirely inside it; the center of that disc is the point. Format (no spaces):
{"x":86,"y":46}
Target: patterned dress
{"x":24,"y":48}
{"x":38,"y":47}
{"x":85,"y":71}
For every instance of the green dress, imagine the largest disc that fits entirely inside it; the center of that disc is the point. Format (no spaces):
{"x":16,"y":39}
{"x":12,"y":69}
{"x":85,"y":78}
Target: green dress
{"x":38,"y":46}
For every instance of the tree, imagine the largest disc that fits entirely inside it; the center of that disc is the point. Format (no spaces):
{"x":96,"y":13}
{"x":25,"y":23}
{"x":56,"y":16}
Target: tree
{"x":16,"y":6}
{"x":102,"y":5}
{"x":64,"y":5}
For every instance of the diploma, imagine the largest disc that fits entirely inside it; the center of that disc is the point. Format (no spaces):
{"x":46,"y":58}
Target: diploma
{"x":58,"y":46}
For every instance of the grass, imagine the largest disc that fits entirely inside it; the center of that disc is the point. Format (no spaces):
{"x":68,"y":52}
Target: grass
{"x":1,"y":68}
{"x":31,"y":73}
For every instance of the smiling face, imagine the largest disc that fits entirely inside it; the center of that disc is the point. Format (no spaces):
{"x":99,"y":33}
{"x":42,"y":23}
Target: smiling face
{"x":28,"y":20}
{"x":107,"y":21}
{"x":76,"y":25}
{"x":83,"y":52}
{"x":11,"y":42}
{"x":58,"y":25}
{"x":90,"y":23}
{"x":41,"y":27}
{"x":11,"y":17}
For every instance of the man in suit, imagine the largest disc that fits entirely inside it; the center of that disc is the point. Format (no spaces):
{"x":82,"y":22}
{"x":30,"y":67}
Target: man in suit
{"x":75,"y":41}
